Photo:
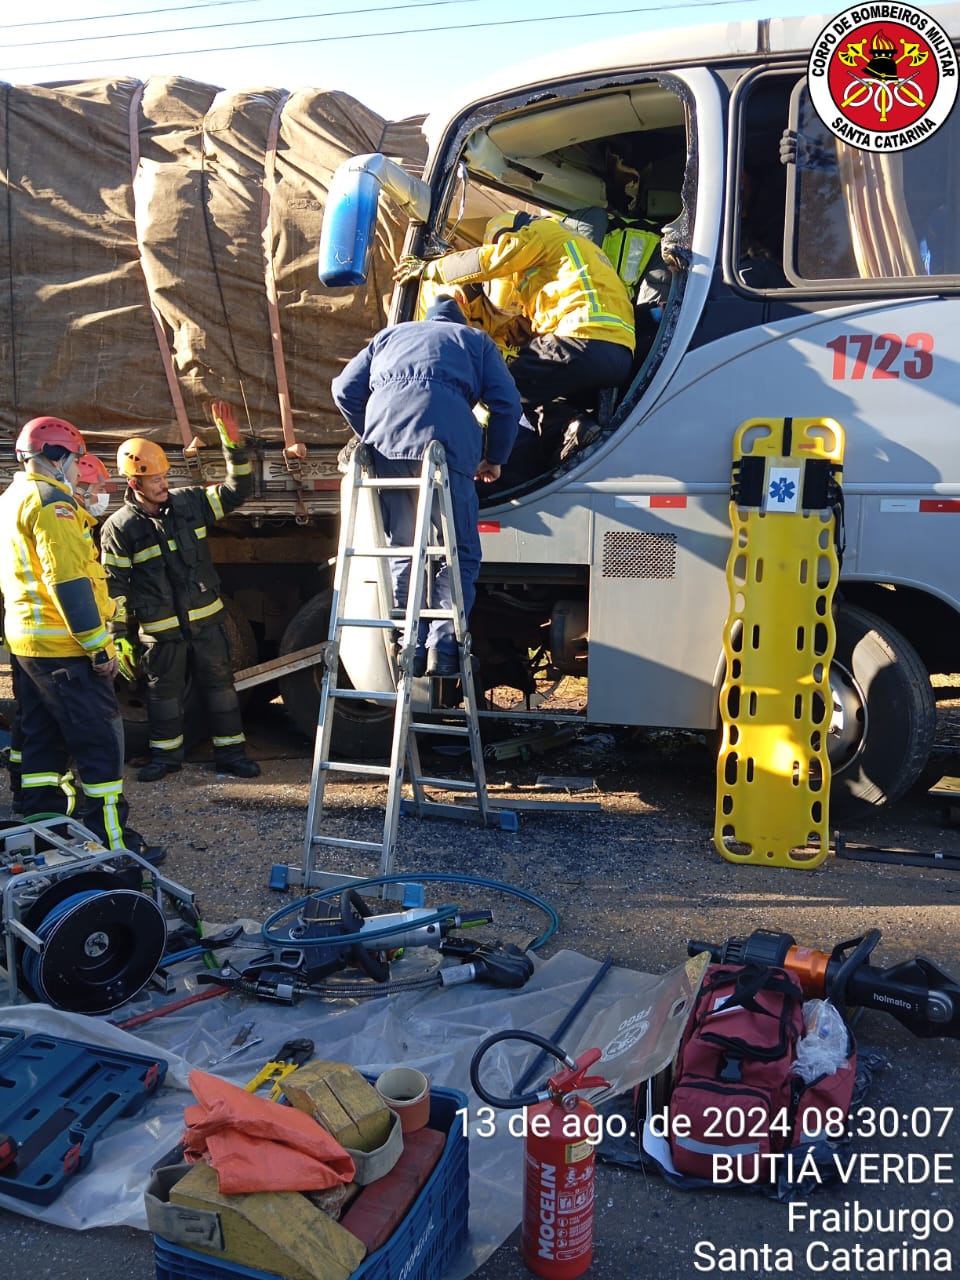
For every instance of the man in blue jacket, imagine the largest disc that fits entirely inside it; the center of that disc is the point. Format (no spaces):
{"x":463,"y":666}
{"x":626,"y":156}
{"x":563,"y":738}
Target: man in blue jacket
{"x":414,"y":383}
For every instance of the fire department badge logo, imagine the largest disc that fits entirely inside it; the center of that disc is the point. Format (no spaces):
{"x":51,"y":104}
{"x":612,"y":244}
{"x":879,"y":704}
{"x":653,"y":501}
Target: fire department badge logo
{"x":883,"y":77}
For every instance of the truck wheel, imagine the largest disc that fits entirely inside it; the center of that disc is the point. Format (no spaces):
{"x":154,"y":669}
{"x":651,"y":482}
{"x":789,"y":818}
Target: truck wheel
{"x":884,"y":716}
{"x":242,"y":642}
{"x":361,"y":730}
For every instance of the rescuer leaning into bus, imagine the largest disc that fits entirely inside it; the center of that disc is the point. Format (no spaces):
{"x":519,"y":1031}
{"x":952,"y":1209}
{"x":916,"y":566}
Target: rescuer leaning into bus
{"x":56,"y":612}
{"x":579,"y":311}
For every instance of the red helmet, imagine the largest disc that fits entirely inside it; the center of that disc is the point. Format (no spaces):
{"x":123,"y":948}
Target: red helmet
{"x":90,"y":470}
{"x":41,"y":433}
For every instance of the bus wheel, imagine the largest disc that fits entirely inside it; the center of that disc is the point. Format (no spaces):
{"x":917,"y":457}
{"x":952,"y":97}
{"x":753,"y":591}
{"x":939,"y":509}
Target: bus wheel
{"x":361,"y":730}
{"x":884,"y":716}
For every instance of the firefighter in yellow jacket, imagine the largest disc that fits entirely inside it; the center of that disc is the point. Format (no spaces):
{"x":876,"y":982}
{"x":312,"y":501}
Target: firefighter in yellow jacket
{"x":578,"y":308}
{"x":56,"y":609}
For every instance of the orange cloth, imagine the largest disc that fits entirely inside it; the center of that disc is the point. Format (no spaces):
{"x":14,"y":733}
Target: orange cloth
{"x":258,"y":1145}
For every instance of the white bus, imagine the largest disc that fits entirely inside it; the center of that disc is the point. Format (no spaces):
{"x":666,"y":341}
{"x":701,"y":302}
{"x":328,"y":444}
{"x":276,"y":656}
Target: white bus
{"x":817,"y":280}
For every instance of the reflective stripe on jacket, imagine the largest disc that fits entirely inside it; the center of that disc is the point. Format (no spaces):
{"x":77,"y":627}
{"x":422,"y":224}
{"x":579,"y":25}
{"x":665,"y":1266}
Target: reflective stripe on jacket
{"x":566,"y":284}
{"x":161,"y":563}
{"x":56,"y":602}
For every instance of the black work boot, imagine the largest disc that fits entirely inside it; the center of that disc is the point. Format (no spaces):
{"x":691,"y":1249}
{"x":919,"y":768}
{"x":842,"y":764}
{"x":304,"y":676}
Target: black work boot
{"x":441,"y":663}
{"x":156,"y":769}
{"x":239,"y":767}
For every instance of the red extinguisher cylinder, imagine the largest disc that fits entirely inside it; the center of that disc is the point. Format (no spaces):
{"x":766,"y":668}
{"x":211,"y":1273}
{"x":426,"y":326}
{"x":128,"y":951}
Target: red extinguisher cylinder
{"x":558,"y":1188}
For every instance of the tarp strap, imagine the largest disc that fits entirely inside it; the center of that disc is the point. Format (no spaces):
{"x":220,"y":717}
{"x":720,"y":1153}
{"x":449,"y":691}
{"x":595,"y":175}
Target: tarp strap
{"x":8,"y":186}
{"x":290,"y":451}
{"x":176,"y":395}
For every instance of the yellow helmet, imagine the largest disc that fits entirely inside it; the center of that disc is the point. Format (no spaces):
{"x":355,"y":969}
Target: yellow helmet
{"x":141,"y":458}
{"x":512,"y":220}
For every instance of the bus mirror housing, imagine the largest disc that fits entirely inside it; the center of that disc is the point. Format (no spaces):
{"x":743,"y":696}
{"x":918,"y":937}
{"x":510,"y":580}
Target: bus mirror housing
{"x":350,"y":216}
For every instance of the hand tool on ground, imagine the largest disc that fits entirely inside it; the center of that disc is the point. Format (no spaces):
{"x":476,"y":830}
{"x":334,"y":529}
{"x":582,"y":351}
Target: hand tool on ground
{"x":241,"y":1038}
{"x":232,"y":1053}
{"x":290,"y":1055}
{"x":917,"y":993}
{"x":139,"y":1019}
{"x":566,"y":1023}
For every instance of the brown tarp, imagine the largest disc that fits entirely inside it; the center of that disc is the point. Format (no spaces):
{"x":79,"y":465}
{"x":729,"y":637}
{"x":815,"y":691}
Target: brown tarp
{"x":145,"y":220}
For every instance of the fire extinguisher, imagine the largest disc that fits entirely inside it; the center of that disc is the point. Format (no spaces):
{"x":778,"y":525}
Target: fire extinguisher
{"x":558,"y":1160}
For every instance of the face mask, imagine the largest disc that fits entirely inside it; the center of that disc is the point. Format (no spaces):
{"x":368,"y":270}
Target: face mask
{"x":97,"y":504}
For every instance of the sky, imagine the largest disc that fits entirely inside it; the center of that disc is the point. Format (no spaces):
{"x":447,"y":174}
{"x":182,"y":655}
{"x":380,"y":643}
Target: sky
{"x":396,"y":58}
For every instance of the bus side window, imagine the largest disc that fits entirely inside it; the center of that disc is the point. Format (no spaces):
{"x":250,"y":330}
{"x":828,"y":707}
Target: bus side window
{"x":762,"y":185}
{"x":855,"y":215}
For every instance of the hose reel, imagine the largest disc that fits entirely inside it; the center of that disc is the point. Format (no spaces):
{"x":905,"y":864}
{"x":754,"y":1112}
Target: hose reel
{"x":81,"y":927}
{"x":100,"y":946}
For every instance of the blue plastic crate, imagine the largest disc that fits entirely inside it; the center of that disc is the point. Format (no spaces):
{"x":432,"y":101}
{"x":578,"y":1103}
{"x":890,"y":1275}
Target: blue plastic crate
{"x":421,"y":1248}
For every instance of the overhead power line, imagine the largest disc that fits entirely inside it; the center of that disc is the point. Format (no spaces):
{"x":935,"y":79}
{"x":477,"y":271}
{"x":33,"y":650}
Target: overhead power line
{"x":381,"y":35}
{"x":134,"y":13}
{"x":215,"y":26}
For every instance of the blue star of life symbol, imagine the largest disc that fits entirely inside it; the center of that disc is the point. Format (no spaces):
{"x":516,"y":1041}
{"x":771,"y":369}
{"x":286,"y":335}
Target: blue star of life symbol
{"x":782,"y":490}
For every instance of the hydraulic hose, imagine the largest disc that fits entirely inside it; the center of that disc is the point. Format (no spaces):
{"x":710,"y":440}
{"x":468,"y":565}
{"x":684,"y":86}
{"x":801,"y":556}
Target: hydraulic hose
{"x":370,"y":990}
{"x":524,"y":1099}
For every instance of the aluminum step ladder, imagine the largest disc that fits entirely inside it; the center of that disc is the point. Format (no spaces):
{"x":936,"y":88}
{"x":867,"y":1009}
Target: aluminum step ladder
{"x":433,"y":494}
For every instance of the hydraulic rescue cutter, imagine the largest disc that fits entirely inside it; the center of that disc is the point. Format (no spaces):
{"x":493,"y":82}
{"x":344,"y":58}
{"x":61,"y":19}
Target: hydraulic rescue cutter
{"x":917,"y":993}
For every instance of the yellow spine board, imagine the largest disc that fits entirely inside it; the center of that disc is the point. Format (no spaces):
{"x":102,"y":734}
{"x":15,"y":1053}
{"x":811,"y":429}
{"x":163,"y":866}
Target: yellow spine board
{"x":773,"y":774}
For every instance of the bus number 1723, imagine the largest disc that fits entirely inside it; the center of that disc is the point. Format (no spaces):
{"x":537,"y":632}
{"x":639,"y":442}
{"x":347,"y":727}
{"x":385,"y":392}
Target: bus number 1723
{"x":911,"y":356}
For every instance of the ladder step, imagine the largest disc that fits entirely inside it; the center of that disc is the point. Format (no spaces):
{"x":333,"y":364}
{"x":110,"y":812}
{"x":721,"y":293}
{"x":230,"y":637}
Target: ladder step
{"x":422,"y":726}
{"x":446,"y":784}
{"x":337,"y":842}
{"x":388,"y":482}
{"x":394,"y":553}
{"x":384,"y":696}
{"x":505,"y":819}
{"x":396,"y":617}
{"x":351,"y":766}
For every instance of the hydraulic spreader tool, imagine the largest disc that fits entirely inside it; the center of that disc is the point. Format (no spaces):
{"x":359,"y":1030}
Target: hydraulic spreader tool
{"x":315,"y":939}
{"x":917,"y":993}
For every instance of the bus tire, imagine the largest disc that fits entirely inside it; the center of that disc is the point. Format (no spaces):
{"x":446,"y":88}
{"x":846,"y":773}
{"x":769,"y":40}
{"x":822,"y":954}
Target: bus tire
{"x":884,"y":716}
{"x":361,"y":730}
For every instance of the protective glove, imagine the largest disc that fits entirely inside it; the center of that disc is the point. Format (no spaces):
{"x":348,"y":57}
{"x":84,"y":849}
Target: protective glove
{"x":409,"y":268}
{"x":226,"y":423}
{"x":127,"y":658}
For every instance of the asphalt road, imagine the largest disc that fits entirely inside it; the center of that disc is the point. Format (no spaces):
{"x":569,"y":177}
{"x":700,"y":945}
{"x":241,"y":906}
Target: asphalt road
{"x":636,"y":878}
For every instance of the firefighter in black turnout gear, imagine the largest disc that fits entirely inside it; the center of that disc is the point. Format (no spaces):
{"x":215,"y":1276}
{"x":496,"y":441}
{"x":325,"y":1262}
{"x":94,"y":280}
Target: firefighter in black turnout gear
{"x":156,"y":557}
